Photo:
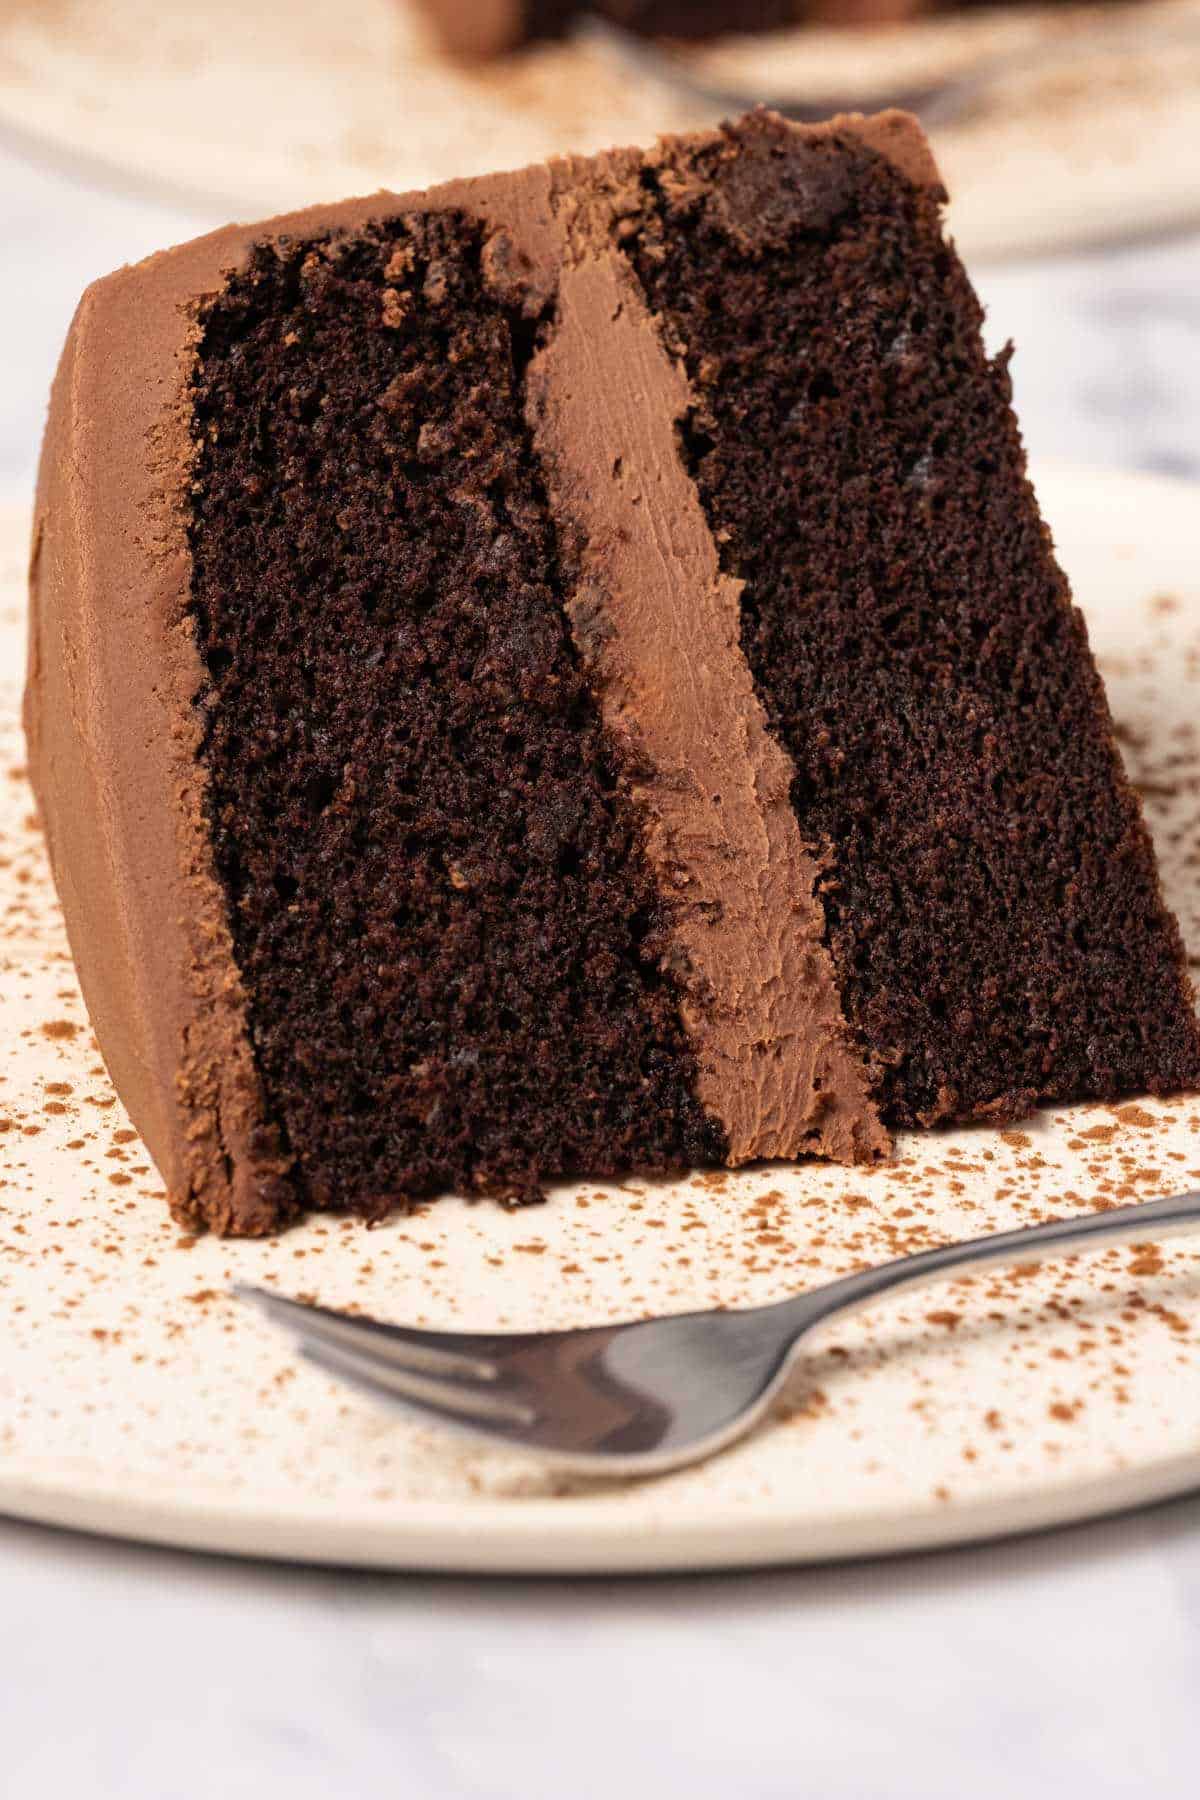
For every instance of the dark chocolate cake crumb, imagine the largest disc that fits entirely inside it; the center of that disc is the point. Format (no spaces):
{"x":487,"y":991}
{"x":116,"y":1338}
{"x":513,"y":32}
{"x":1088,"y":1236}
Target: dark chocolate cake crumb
{"x":992,"y":902}
{"x":448,"y":938}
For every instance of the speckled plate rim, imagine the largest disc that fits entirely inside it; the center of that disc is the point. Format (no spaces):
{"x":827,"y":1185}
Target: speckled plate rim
{"x":571,"y":1536}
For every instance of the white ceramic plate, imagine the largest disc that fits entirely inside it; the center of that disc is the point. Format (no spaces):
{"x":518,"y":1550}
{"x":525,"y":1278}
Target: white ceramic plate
{"x":136,"y":1399}
{"x":254,"y":106}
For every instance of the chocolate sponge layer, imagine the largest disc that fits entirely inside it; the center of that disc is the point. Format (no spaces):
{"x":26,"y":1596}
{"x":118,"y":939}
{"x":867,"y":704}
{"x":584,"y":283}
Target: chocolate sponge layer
{"x":449,"y":937}
{"x":991,"y":897}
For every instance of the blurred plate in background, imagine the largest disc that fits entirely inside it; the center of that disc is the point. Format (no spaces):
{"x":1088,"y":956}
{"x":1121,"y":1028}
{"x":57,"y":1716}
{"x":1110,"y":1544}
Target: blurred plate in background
{"x":1080,"y":123}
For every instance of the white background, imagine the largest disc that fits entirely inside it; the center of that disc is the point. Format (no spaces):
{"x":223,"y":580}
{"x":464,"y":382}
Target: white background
{"x":1067,"y":1665}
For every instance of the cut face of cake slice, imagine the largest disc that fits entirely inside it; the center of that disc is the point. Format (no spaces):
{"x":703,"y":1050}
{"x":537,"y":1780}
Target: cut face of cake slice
{"x":564,"y":674}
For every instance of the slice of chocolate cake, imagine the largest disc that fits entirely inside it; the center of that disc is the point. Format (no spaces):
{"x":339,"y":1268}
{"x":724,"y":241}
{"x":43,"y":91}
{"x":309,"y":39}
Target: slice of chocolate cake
{"x":564,"y":674}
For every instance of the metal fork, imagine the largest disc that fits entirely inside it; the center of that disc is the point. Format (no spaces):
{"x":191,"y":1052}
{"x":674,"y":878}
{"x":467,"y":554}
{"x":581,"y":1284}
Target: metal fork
{"x":654,"y":1394}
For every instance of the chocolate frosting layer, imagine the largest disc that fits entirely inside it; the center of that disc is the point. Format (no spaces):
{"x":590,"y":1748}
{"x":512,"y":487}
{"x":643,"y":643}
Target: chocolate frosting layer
{"x":659,"y":626}
{"x":113,"y":672}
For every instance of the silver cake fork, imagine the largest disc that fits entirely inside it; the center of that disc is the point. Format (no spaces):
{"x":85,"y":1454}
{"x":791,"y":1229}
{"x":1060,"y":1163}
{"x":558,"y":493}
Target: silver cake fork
{"x":654,"y":1394}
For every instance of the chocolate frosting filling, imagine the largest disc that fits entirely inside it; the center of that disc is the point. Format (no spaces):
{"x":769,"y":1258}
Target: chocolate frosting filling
{"x":658,"y":625}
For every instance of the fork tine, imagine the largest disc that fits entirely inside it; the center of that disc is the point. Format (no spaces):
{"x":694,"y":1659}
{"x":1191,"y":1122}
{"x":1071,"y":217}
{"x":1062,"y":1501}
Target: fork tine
{"x":446,"y":1401}
{"x":389,"y":1344}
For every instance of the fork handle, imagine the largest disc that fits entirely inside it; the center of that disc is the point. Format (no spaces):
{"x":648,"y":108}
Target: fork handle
{"x":1029,"y":1244}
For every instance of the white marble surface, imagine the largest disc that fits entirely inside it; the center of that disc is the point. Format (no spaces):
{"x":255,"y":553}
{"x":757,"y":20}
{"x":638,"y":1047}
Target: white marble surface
{"x":1069,"y":1665}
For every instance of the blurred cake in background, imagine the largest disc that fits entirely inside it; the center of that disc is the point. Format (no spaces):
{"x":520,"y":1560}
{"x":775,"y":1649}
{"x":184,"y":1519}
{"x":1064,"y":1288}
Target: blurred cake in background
{"x":482,"y":28}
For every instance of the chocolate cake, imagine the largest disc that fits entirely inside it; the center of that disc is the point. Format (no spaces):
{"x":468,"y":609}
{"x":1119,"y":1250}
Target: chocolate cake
{"x":563,"y":674}
{"x":478,"y":29}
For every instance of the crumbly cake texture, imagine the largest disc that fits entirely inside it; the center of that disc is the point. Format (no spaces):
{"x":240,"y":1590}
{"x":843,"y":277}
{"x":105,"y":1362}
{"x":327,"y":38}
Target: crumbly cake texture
{"x":438,"y":899}
{"x":991,"y":899}
{"x":564,"y":673}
